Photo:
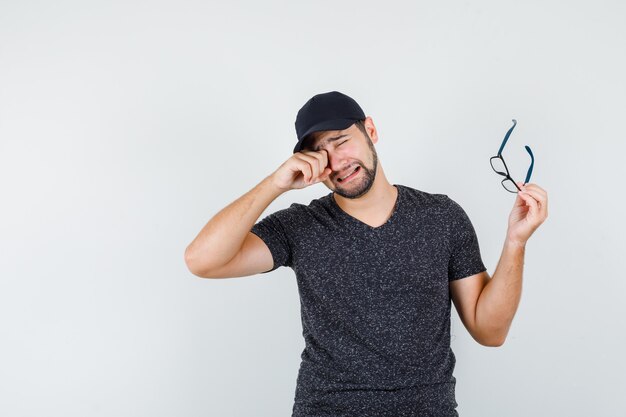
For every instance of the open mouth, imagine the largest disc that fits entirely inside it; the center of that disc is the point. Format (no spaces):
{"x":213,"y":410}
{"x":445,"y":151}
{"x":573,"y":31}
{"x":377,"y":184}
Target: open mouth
{"x":351,"y":175}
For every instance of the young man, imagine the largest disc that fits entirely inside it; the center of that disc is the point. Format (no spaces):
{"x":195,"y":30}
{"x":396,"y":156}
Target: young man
{"x":377,"y":266}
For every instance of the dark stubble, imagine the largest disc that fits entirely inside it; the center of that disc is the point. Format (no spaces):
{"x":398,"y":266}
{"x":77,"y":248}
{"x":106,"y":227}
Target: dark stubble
{"x":362,"y":185}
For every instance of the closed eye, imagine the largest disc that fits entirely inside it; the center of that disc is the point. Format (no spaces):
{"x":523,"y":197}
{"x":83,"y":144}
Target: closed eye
{"x":342,"y":143}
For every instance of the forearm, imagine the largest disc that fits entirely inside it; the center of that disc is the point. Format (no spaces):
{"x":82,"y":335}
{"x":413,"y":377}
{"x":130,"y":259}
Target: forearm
{"x":500,"y":298}
{"x":222,"y":237}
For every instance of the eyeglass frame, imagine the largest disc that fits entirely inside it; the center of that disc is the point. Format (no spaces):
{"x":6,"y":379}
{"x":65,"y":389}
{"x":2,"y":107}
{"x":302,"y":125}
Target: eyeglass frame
{"x":507,"y":175}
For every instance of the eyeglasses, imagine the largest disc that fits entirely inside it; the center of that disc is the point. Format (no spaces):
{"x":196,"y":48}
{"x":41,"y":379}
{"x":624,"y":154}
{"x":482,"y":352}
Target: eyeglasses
{"x":498,"y":165}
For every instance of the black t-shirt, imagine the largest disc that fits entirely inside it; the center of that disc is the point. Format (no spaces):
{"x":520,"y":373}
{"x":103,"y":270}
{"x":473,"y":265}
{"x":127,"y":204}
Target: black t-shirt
{"x":375,"y":301}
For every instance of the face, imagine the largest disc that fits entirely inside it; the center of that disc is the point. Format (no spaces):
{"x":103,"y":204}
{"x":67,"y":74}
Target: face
{"x":352,"y":157}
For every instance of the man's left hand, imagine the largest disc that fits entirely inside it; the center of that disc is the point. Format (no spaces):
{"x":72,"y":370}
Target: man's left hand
{"x":529,"y":211}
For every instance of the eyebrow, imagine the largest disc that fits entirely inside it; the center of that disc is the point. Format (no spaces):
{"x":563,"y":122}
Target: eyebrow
{"x":329,"y":140}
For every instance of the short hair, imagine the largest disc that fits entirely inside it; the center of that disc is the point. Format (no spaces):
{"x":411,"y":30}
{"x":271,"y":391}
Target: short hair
{"x":310,"y":138}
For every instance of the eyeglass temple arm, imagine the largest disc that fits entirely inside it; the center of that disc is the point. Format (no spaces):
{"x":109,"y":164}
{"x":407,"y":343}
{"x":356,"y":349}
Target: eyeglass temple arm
{"x":506,"y":137}
{"x":532,"y":163}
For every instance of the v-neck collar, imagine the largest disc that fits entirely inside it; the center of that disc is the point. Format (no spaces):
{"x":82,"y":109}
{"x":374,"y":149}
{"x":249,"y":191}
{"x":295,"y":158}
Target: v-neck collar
{"x":362,"y":224}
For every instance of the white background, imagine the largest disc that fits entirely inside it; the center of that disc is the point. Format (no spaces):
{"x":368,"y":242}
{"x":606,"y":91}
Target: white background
{"x":125,"y":126}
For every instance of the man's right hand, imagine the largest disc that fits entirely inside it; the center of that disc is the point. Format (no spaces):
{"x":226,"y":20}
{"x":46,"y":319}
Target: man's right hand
{"x":302,"y":169}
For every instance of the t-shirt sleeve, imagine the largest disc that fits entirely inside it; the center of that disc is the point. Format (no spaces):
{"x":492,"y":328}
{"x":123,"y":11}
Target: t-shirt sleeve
{"x":465,"y":259}
{"x":272,"y":230}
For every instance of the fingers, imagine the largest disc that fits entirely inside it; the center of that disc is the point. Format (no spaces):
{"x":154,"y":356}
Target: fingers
{"x":539,"y":198}
{"x":530,"y":201}
{"x":322,"y":157}
{"x":316,"y":165}
{"x":310,"y":166}
{"x":535,"y":190}
{"x":305,"y":168}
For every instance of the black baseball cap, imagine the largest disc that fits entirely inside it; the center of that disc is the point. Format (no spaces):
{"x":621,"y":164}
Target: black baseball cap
{"x":326,"y":111}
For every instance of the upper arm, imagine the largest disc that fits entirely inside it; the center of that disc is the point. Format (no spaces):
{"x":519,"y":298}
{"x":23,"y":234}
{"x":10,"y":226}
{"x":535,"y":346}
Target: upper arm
{"x":253,"y":258}
{"x":465,"y":293}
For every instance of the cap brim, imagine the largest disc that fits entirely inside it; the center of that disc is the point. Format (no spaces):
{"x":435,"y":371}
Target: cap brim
{"x":337,"y":124}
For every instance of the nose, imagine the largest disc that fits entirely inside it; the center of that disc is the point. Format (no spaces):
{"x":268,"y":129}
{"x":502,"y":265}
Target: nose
{"x":337,"y":162}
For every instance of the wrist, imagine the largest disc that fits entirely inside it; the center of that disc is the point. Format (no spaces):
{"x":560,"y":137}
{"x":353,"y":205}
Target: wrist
{"x":271,"y":182}
{"x":514,"y":243}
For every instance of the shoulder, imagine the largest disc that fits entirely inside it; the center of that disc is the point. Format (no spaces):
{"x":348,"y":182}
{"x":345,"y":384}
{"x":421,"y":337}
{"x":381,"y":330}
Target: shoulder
{"x":317,"y":205}
{"x":436,"y":206}
{"x":425,"y":200}
{"x":299,"y":214}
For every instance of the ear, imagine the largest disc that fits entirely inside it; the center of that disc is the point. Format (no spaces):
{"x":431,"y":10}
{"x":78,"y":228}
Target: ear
{"x":371,"y":129}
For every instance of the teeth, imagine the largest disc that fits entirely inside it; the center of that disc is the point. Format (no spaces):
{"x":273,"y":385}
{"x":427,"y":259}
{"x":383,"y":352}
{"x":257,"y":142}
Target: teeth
{"x":351,"y":172}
